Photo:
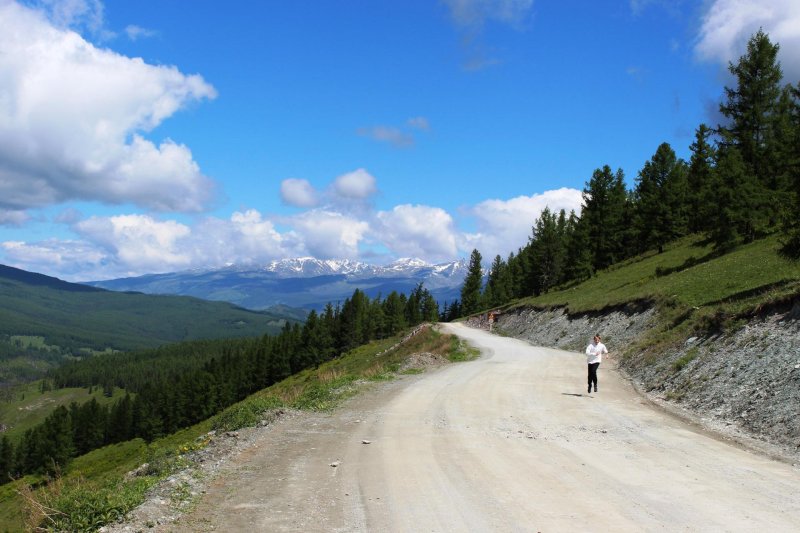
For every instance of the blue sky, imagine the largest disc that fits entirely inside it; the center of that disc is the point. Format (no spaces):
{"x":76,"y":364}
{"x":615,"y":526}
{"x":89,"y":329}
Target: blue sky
{"x":146,"y":136}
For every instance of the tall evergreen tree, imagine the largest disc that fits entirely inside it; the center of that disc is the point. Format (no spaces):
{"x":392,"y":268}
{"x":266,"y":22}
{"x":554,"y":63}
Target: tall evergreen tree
{"x":471,"y":290}
{"x":604,"y":201}
{"x":547,"y":251}
{"x":578,"y":256}
{"x":753,"y":112}
{"x":751,"y":106}
{"x":734,"y":214}
{"x":499,"y":283}
{"x":789,"y":153}
{"x":660,"y":199}
{"x":698,"y":201}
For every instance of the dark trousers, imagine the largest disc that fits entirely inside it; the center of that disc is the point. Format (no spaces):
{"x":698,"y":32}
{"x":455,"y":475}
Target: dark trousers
{"x":593,"y":374}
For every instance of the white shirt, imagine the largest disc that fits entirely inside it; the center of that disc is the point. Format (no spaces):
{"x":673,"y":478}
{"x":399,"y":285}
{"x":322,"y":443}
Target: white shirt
{"x":594,"y":352}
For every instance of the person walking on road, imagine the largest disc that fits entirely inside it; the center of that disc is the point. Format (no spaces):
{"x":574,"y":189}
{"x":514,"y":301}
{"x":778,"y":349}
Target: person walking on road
{"x":594,"y":354}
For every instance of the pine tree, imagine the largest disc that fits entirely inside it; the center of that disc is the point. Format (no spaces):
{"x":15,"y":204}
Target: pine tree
{"x":578,"y":259}
{"x":660,"y":199}
{"x":604,"y":201}
{"x":753,"y":112}
{"x":547,"y":251}
{"x":394,"y":310}
{"x":790,"y":155}
{"x":471,"y":290}
{"x":699,"y":180}
{"x":733,"y":199}
{"x":499,"y":283}
{"x":751,"y":106}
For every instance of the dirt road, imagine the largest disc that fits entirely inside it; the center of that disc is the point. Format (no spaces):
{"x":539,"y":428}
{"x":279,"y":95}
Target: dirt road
{"x":510,"y":442}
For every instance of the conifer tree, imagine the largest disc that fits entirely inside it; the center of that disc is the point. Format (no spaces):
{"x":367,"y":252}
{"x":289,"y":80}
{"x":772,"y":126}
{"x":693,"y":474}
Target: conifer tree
{"x":751,"y":106}
{"x":547,"y":251}
{"x":578,"y":258}
{"x":604,"y":200}
{"x":660,"y":199}
{"x":499,"y":283}
{"x":790,"y":154}
{"x":734,"y":201}
{"x":698,"y":201}
{"x":471,"y":290}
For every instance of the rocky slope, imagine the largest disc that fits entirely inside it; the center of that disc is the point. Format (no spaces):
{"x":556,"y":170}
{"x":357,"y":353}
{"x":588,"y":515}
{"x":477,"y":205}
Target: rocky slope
{"x":744,"y":384}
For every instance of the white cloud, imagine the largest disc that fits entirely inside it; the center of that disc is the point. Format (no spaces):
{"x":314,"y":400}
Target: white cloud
{"x":138,"y":241}
{"x":135,"y":32}
{"x":356,"y":185}
{"x":328,"y":234}
{"x":72,"y":117}
{"x":506,"y":225}
{"x":418,"y":231}
{"x":86,"y":15}
{"x":298,"y":193}
{"x":247,"y":237}
{"x":727,"y":25}
{"x":72,"y":260}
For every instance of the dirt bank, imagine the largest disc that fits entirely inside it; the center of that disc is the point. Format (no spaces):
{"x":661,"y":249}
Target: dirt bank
{"x":745,"y":383}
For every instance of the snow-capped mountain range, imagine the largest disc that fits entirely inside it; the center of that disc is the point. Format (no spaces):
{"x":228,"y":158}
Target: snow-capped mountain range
{"x":303,"y":282}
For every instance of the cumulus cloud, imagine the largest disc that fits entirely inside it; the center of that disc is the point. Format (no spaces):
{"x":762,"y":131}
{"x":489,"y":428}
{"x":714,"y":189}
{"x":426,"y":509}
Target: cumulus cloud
{"x":72,"y":119}
{"x":138,"y":241}
{"x":137,"y":244}
{"x":506,"y":225}
{"x":298,"y":193}
{"x":67,"y":259}
{"x":356,"y":185}
{"x":134,"y":244}
{"x":328,"y":234}
{"x":727,"y":25}
{"x":418,"y":231}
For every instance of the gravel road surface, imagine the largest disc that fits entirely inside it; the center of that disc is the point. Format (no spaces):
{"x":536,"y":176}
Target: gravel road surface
{"x":509,"y":442}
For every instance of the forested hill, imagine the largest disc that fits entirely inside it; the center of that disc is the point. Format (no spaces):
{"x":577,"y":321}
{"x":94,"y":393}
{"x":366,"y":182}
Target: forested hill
{"x":75,"y":317}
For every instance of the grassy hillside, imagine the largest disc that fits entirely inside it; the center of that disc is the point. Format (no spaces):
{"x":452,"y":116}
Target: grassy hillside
{"x":687,"y":275}
{"x":73,"y":319}
{"x":93,"y":488}
{"x":28,"y":406}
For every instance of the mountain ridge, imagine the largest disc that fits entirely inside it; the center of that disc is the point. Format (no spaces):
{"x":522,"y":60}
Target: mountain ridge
{"x":303,"y":282}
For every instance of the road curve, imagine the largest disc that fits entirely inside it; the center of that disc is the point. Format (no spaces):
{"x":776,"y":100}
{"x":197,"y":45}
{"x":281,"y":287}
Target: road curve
{"x":509,"y":442}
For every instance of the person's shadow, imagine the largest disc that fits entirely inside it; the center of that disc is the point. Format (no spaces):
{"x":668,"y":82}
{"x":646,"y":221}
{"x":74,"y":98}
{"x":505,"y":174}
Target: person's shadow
{"x":576,"y":394}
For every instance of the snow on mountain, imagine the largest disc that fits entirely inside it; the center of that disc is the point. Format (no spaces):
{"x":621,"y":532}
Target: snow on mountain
{"x":300,"y":282}
{"x":304,"y":267}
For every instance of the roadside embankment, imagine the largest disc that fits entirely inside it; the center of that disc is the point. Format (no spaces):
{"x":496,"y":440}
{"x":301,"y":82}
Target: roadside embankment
{"x":743,"y":383}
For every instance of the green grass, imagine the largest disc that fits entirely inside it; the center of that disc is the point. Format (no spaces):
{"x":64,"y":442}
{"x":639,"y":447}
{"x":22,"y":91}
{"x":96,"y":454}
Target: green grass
{"x":745,"y":274}
{"x":693,"y":289}
{"x":28,"y":407}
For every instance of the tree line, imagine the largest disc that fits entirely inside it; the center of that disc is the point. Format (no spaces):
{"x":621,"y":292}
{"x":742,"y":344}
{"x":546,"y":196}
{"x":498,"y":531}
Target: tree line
{"x":742,"y":182}
{"x":178,"y":385}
